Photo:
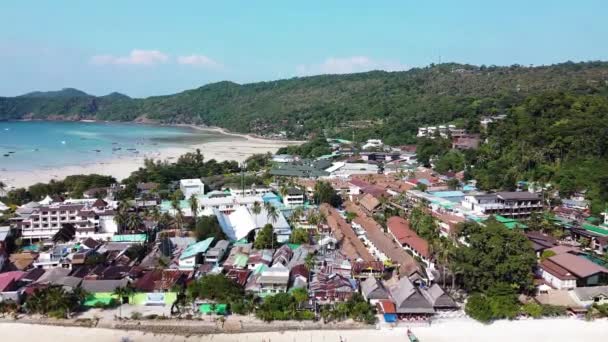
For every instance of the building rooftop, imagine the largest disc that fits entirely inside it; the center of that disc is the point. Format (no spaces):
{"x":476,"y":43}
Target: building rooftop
{"x":197,"y":248}
{"x":578,"y":266}
{"x":400,"y":229}
{"x":517,"y":195}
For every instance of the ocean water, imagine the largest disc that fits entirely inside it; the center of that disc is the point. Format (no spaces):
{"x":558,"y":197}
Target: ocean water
{"x":40,"y":144}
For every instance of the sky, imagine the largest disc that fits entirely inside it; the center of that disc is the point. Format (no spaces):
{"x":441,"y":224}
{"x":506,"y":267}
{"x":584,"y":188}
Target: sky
{"x":148,"y":48}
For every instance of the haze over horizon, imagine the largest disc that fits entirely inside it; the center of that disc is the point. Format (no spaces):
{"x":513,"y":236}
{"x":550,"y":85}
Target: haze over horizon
{"x":144,"y":49}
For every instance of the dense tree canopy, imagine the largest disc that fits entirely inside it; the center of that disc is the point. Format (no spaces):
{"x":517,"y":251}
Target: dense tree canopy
{"x":494,"y":256}
{"x":312,"y":149}
{"x":325,"y":193}
{"x":208,"y":226}
{"x":390,"y":105}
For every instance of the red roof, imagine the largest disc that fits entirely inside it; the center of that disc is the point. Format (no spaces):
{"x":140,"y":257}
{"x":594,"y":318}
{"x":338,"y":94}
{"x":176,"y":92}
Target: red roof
{"x":387,"y":307}
{"x":400,"y":229}
{"x":7,"y":279}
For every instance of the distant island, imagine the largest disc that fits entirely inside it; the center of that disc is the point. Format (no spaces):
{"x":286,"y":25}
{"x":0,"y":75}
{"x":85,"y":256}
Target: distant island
{"x":376,"y":104}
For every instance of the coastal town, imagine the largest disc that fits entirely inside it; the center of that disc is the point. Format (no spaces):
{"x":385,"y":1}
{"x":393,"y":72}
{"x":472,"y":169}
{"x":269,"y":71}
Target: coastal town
{"x":364,"y":234}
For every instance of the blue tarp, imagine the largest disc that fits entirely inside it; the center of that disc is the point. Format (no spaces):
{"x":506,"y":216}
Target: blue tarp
{"x":390,"y":318}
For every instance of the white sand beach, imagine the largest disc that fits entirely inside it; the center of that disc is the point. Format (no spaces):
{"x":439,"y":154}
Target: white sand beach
{"x":554,"y":330}
{"x":237,"y":149}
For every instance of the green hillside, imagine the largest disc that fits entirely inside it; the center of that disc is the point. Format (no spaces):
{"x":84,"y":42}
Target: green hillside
{"x":390,"y":105}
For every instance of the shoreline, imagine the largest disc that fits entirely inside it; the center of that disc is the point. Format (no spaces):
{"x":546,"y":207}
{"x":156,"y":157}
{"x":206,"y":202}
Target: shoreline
{"x":552,"y":329}
{"x":121,"y":167}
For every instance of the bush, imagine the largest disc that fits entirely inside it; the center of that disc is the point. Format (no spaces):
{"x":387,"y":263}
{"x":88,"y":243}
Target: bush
{"x":136,"y":315}
{"x":533,"y":310}
{"x":478,"y":307}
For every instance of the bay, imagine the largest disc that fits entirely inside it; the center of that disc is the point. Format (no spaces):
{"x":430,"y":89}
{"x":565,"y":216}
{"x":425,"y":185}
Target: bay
{"x":27,"y":145}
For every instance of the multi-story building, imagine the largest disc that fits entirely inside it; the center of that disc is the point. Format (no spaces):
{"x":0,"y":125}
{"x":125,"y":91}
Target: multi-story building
{"x":88,"y":217}
{"x":212,"y":202}
{"x":249,"y":191}
{"x":293,"y":197}
{"x":191,"y":187}
{"x":509,"y":204}
{"x":443,"y":130}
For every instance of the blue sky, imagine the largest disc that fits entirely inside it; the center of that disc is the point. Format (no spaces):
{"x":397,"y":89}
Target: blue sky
{"x":145,"y":48}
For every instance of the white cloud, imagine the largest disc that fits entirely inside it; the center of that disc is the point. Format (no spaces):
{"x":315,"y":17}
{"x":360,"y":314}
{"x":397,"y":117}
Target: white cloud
{"x":199,"y":61}
{"x":349,"y":65}
{"x":136,"y":57}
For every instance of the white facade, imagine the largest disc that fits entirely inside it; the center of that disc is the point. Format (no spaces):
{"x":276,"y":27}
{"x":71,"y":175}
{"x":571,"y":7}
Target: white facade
{"x":283,"y":158}
{"x":252,"y":191}
{"x":46,"y":220}
{"x":226,"y":204}
{"x":294,"y":197}
{"x":191,"y":187}
{"x":557,"y":283}
{"x":372,"y":143}
{"x":443,"y":130}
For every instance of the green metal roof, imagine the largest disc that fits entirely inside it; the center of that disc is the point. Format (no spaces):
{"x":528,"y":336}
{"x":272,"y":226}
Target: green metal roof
{"x":240,"y":260}
{"x":194,"y":249}
{"x":130,"y":238}
{"x":596,"y":229}
{"x":510,"y":223}
{"x":592,"y":219}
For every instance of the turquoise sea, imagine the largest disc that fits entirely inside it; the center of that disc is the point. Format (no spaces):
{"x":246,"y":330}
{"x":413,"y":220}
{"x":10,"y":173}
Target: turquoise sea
{"x":40,"y":144}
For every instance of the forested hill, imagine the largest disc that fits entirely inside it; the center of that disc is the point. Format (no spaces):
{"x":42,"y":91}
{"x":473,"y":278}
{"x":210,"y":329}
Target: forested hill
{"x":390,"y":105}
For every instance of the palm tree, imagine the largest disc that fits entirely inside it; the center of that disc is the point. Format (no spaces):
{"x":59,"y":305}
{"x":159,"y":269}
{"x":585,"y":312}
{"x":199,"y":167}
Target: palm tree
{"x":179,"y":219}
{"x":312,"y":218}
{"x":154,"y":214}
{"x":272,"y":214}
{"x":283,"y":190}
{"x":296,"y":215}
{"x":194,"y":207}
{"x":121,"y":293}
{"x":443,"y":253}
{"x":122,"y":215}
{"x":310,"y":264}
{"x":134,"y":222}
{"x":256,"y":209}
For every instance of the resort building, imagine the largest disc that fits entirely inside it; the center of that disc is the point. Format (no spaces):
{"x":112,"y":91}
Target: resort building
{"x":400,"y":230}
{"x":238,"y":224}
{"x":88,"y":217}
{"x":249,"y":191}
{"x":520,"y":204}
{"x":372,"y":143}
{"x":568,"y":271}
{"x":444,"y":131}
{"x":191,"y":187}
{"x":293,"y":197}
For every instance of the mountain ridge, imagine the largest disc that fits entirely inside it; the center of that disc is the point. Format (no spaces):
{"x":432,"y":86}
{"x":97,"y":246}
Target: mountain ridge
{"x":390,"y":105}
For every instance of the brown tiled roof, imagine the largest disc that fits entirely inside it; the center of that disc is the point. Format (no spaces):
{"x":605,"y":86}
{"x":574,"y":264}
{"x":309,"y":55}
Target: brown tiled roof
{"x":400,"y":228}
{"x":238,"y":276}
{"x":350,"y":244}
{"x":577,"y":265}
{"x":23,"y":261}
{"x":384,"y":243}
{"x":556,"y":270}
{"x":147,"y":282}
{"x":369,"y":202}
